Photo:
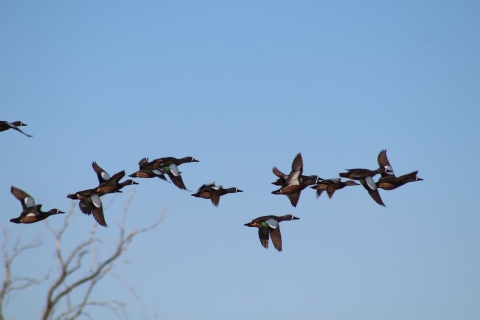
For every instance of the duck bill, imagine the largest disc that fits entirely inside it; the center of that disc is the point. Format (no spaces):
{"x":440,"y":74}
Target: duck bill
{"x":250,"y":224}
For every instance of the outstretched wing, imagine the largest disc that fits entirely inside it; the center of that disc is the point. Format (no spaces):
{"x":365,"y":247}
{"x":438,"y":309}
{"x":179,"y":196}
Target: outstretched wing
{"x":25,"y":199}
{"x":263,"y":234}
{"x":276,"y":238}
{"x":101,"y":174}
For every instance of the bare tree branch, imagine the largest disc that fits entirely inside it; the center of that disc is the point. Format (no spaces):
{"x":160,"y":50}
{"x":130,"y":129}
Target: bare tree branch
{"x":81,"y":267}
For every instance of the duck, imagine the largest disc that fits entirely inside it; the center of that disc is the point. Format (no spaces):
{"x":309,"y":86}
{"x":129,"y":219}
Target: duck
{"x":148,"y":170}
{"x":212,"y":192}
{"x":112,"y":185}
{"x":269,"y":226}
{"x":90,"y":202}
{"x":295,"y":182}
{"x":282,"y":177}
{"x":5,"y":125}
{"x":331,"y":185}
{"x":169,"y":165}
{"x":392,"y":182}
{"x":31,"y":212}
{"x":365,"y":176}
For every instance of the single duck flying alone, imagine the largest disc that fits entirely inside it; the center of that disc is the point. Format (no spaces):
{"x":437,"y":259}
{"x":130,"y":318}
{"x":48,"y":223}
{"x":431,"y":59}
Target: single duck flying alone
{"x":269,"y":226}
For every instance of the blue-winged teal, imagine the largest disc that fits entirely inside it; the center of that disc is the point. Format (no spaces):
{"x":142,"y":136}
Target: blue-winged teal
{"x":112,"y":185}
{"x":149,"y":170}
{"x":392,"y":182}
{"x":295,"y":182}
{"x":170,"y":164}
{"x":31,"y":213}
{"x":270,"y":226}
{"x":107,"y":183}
{"x":365,"y":176}
{"x":4,"y":125}
{"x":331,"y":185}
{"x":212,"y":192}
{"x":90,"y":202}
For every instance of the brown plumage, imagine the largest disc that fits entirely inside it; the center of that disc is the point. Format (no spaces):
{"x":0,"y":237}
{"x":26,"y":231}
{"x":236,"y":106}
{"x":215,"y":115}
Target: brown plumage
{"x":31,"y":213}
{"x":212,"y":192}
{"x":391,"y":182}
{"x":331,"y":185}
{"x":269,"y":226}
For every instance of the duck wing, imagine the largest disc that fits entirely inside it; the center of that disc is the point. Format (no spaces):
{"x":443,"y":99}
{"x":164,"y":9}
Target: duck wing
{"x":15,"y":127}
{"x":215,"y":196}
{"x":263,"y":235}
{"x":276,"y":238}
{"x":178,"y":181}
{"x":297,"y":170}
{"x":370,"y":186}
{"x":102,"y":175}
{"x":384,"y":163}
{"x":113,"y":181}
{"x":294,"y":197}
{"x":84,"y":207}
{"x":97,"y":209}
{"x":25,"y":199}
{"x":278,"y":173}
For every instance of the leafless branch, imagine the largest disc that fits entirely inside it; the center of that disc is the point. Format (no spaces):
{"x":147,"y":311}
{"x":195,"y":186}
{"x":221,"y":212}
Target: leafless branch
{"x":81,"y":267}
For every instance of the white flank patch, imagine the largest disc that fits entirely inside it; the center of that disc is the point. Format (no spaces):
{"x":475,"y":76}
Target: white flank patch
{"x":96,"y":200}
{"x":370,"y":183}
{"x":272,"y":223}
{"x":29,"y":202}
{"x":174,"y":170}
{"x":216,"y":187}
{"x":105,"y":175}
{"x":31,"y":215}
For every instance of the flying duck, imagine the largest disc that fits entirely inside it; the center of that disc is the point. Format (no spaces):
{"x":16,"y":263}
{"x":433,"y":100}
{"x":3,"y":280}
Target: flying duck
{"x":269,"y":226}
{"x":212,"y":192}
{"x":31,"y":213}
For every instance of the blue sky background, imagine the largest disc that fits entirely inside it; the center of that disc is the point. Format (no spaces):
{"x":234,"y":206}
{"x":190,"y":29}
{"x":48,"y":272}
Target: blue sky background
{"x":244,"y":86}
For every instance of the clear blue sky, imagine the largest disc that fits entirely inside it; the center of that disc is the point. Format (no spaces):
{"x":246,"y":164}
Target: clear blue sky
{"x":244,"y":86}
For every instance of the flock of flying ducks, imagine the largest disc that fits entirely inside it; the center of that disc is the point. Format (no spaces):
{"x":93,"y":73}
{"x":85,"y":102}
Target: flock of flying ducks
{"x":290,"y":185}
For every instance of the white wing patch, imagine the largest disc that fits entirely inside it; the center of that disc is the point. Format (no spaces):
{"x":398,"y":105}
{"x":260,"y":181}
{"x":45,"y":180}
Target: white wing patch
{"x":389,"y":171}
{"x":29,"y":202}
{"x":370,"y":183}
{"x":272,"y":223}
{"x":156,"y":171}
{"x":96,"y":201}
{"x":174,"y":170}
{"x":105,"y":176}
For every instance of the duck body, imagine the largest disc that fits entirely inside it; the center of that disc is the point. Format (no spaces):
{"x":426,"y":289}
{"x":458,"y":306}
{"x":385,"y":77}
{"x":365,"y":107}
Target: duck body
{"x":5,"y":125}
{"x":170,"y":166}
{"x":149,"y":170}
{"x":112,"y":185}
{"x":31,"y":212}
{"x":90,"y":203}
{"x":269,"y":226}
{"x":331,"y":185}
{"x":293,"y":183}
{"x":212,"y":192}
{"x":392,"y":182}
